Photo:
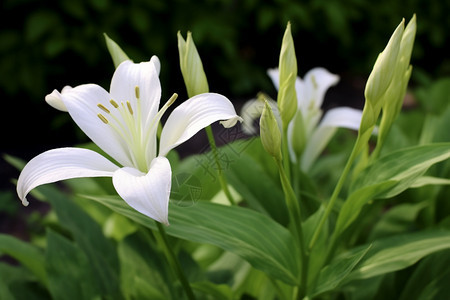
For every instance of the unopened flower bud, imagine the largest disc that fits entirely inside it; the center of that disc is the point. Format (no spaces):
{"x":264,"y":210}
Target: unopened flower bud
{"x":191,"y":66}
{"x":384,"y":69}
{"x":117,"y":54}
{"x":270,"y":132}
{"x":287,"y":97}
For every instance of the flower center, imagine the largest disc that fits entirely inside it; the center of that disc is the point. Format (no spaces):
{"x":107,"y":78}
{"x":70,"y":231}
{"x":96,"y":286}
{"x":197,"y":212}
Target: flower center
{"x":135,"y":134}
{"x":127,"y":124}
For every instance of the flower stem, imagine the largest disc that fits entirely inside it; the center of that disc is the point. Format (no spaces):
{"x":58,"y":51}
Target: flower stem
{"x":222,"y":179}
{"x":286,"y":160}
{"x":337,"y":190}
{"x":295,"y":226}
{"x":173,"y":261}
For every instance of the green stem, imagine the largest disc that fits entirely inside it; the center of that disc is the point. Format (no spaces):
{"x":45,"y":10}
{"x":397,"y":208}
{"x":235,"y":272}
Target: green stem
{"x":173,"y":261}
{"x":337,"y":190}
{"x":296,"y":226}
{"x":222,"y":179}
{"x":286,"y":156}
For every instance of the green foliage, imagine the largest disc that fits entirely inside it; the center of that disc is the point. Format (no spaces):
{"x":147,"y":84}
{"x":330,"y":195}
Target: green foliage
{"x":386,"y":237}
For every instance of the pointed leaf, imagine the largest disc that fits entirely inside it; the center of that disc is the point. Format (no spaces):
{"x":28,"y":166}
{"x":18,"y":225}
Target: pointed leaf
{"x":398,"y":252}
{"x":334,"y":274}
{"x":265,"y":244}
{"x":389,"y":176}
{"x":28,"y":255}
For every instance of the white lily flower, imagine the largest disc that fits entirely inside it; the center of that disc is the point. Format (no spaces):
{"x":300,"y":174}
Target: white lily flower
{"x":123,"y":123}
{"x":316,"y":131}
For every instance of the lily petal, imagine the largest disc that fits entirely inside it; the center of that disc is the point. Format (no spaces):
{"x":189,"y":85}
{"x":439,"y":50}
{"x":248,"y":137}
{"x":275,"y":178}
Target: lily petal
{"x":82,"y":104}
{"x":193,"y":115}
{"x":274,"y":74}
{"x":344,"y":117}
{"x":128,"y":76}
{"x":60,"y":164}
{"x":147,"y":193}
{"x":316,"y":82}
{"x":54,"y":99}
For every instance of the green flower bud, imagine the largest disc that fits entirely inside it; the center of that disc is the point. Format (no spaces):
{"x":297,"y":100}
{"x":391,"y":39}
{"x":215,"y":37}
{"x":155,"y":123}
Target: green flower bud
{"x":117,"y":54}
{"x":298,"y":135}
{"x":393,"y":98}
{"x":384,"y":69}
{"x":191,"y":66}
{"x":270,"y":132}
{"x":287,"y":96}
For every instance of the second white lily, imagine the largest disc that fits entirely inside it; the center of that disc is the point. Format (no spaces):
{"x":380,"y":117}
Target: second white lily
{"x":123,"y":123}
{"x":308,"y":132}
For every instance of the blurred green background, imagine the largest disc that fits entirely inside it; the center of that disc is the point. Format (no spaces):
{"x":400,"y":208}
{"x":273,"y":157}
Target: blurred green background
{"x":45,"y":45}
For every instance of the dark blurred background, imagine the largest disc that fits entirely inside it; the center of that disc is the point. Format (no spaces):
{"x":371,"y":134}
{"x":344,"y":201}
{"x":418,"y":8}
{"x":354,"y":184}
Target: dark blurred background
{"x":45,"y":45}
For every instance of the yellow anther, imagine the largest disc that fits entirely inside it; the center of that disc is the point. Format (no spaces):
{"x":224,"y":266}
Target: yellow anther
{"x":114,"y":103}
{"x":136,"y":91}
{"x":101,"y":117}
{"x":102,"y":107}
{"x":129,"y":107}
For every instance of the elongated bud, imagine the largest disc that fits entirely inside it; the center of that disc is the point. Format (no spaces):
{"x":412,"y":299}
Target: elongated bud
{"x":270,"y":132}
{"x":191,"y":66}
{"x":384,"y":68}
{"x":117,"y":54}
{"x":287,"y":96}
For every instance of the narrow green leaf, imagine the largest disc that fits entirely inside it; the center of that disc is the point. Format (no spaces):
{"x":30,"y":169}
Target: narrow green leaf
{"x":389,"y":176}
{"x":218,"y":292}
{"x":398,"y":252}
{"x":430,"y":180}
{"x":28,"y":255}
{"x":265,"y":244}
{"x":335,"y":273}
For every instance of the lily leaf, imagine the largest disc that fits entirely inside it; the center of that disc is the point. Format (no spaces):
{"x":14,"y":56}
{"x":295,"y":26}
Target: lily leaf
{"x":389,"y":176}
{"x":28,"y":255}
{"x":398,"y":252}
{"x":264,"y":243}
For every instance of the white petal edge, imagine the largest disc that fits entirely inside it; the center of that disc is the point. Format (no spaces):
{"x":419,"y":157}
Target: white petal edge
{"x":60,"y":164}
{"x":54,"y":99}
{"x":317,"y":82}
{"x":274,"y":75}
{"x":82,"y":104}
{"x":127,"y":76}
{"x":147,"y":193}
{"x":344,"y":117}
{"x":193,"y":115}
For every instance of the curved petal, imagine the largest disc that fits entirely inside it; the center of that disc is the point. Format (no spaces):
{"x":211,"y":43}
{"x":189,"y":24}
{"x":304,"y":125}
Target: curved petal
{"x":82,"y":104}
{"x":317,"y":82}
{"x":147,"y":193}
{"x":315,"y":146}
{"x":54,"y":99}
{"x":144,"y":75}
{"x":274,"y":74}
{"x":193,"y":115}
{"x":344,"y":117}
{"x":60,"y":164}
{"x":156,"y":63}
